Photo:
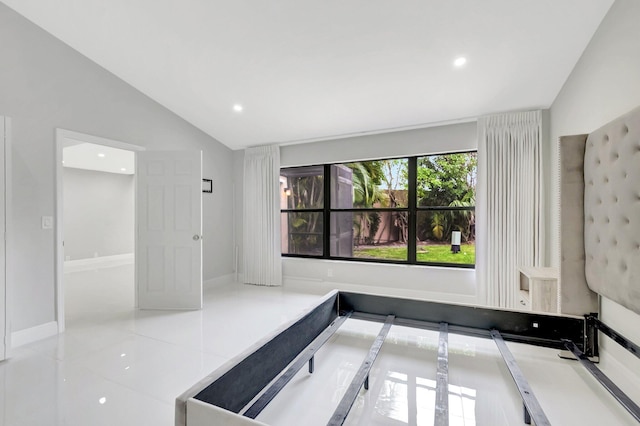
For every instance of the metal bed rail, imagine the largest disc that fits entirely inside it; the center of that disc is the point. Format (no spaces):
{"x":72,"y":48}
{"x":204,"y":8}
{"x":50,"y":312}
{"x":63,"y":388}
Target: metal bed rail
{"x":307,"y":356}
{"x":604,"y":380}
{"x":442,"y":378}
{"x":362,"y":376}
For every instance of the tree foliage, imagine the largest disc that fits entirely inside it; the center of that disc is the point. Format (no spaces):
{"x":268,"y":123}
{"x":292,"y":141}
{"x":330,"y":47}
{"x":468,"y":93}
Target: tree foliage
{"x":307,"y":192}
{"x":367,"y":177}
{"x":446,"y":179}
{"x":396,"y":182}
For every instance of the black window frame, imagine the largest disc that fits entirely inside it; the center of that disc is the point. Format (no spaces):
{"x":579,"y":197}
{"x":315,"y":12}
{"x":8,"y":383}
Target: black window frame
{"x":312,"y":210}
{"x":412,"y":210}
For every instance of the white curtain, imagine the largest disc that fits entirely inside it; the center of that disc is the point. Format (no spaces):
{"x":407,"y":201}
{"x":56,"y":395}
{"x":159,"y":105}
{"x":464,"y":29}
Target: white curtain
{"x":510,"y":203}
{"x":261,"y":218}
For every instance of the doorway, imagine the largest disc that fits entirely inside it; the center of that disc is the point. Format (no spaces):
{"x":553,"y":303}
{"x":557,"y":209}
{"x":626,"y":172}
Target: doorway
{"x":86,"y":164}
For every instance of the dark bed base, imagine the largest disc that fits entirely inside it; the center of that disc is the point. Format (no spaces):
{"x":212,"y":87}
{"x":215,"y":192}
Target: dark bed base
{"x":296,"y":345}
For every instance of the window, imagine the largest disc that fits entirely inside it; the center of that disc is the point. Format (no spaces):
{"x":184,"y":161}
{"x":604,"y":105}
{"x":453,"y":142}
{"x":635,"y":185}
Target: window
{"x":445,"y":208}
{"x":302,"y":202}
{"x":370,"y":210}
{"x":415,"y":210}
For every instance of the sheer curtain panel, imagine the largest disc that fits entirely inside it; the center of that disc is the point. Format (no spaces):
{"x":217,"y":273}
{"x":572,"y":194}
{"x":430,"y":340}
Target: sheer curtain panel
{"x":510,"y":203}
{"x":261,"y":219}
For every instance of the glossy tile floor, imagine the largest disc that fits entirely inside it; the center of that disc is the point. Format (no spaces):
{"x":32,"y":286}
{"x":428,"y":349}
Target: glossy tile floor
{"x":118,"y":366}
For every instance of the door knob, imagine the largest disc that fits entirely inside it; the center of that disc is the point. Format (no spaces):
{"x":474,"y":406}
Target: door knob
{"x":196,"y":237}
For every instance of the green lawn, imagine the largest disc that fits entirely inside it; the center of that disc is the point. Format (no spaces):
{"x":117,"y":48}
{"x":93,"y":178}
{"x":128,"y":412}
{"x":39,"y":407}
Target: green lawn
{"x":426,"y":253}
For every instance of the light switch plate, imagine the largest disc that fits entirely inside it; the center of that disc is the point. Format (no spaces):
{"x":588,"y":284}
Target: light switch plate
{"x":47,"y":222}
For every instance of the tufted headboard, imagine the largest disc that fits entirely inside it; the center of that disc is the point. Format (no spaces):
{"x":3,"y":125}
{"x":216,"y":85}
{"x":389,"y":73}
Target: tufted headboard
{"x":612,"y":210}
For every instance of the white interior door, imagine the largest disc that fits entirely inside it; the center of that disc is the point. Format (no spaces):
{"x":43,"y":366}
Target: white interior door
{"x":169,"y":223}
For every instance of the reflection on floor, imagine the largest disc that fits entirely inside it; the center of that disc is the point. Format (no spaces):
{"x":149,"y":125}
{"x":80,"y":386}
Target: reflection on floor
{"x":118,"y":366}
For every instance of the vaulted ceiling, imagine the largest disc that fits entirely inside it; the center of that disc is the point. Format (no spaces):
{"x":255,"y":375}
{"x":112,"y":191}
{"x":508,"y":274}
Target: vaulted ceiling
{"x":307,"y":70}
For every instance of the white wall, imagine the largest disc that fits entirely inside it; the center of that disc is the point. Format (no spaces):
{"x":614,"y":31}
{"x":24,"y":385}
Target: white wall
{"x":98,"y":213}
{"x":447,"y":284}
{"x":45,"y":85}
{"x":450,"y":138}
{"x":604,"y":84}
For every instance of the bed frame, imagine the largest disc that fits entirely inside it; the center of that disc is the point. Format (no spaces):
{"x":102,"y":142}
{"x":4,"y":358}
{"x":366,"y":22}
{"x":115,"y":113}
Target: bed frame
{"x":236,"y":393}
{"x":600,"y":232}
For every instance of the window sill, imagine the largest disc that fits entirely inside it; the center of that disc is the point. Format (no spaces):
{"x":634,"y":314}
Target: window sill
{"x":382,"y":262}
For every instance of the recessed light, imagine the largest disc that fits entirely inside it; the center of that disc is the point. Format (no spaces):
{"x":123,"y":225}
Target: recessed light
{"x":122,"y":169}
{"x":102,"y":400}
{"x":101,"y":155}
{"x":238,"y":108}
{"x":459,"y":62}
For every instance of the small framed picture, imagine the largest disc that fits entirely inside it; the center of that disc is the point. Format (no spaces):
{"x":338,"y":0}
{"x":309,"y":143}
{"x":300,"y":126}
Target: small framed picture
{"x":207,"y":185}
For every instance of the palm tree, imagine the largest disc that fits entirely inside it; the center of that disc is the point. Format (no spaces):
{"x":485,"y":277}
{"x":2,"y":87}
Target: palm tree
{"x":307,"y":192}
{"x":464,"y":219}
{"x":366,"y":193}
{"x":438,"y":225}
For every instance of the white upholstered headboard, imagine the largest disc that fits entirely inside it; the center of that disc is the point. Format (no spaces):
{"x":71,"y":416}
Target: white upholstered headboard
{"x":612,"y":210}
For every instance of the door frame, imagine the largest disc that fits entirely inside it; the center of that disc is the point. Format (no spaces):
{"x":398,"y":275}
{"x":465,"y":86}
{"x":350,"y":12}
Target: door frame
{"x":61,"y":136}
{"x":5,"y":286}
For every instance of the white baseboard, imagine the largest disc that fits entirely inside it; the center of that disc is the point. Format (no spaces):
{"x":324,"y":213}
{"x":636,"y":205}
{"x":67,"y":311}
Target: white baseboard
{"x":218,"y":281}
{"x":98,"y":262}
{"x":33,"y":334}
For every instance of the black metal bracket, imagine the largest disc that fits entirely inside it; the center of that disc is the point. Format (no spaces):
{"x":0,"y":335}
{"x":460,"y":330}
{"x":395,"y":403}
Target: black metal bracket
{"x":591,"y":335}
